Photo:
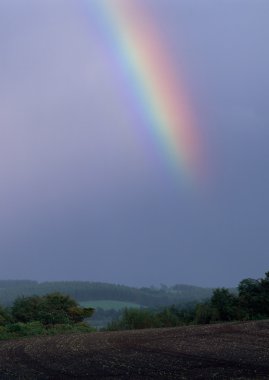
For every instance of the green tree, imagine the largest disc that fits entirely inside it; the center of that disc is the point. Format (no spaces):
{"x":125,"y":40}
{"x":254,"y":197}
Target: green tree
{"x":254,"y":297}
{"x":169,"y":317}
{"x":264,"y":296}
{"x":204,"y":313}
{"x":54,"y":308}
{"x":225,"y":304}
{"x":25,"y":309}
{"x":5,"y":317}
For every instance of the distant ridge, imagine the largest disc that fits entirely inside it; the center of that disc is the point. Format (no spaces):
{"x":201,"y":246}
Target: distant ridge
{"x":85,"y":291}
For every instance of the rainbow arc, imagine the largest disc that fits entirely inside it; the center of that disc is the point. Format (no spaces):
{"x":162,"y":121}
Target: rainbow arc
{"x":152,"y":77}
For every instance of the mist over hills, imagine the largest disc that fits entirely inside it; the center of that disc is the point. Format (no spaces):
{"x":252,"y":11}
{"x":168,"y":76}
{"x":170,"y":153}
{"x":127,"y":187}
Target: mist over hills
{"x":90,"y":291}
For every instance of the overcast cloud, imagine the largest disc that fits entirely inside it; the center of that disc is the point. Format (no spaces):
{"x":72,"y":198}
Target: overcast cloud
{"x":84,"y":197}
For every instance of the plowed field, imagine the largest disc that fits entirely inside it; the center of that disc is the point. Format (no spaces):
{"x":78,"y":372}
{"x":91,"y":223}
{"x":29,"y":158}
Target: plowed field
{"x":223,"y":351}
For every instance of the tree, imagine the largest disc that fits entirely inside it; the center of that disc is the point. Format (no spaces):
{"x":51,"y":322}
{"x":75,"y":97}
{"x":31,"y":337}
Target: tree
{"x":4,"y":316}
{"x":225,"y":303}
{"x":254,"y":297}
{"x":25,"y":309}
{"x":204,"y":313}
{"x":54,"y":308}
{"x":264,"y":285}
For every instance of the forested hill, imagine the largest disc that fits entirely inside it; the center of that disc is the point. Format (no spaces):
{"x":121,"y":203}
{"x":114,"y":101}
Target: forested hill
{"x":85,"y":291}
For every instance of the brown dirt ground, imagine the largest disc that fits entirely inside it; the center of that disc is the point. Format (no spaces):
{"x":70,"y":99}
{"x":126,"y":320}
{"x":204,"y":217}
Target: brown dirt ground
{"x":221,"y":351}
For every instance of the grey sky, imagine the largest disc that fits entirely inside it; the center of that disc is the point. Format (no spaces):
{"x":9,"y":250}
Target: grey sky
{"x":83,"y":196}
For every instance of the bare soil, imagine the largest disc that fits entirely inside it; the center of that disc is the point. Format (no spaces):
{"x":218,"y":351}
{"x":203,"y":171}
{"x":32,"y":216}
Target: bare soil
{"x":221,"y":351}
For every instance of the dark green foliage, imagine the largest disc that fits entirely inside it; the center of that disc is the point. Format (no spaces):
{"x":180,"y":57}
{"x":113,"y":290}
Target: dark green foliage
{"x":51,"y":309}
{"x":204,"y":314}
{"x":26,"y":309}
{"x":225,"y":304}
{"x":251,"y":302}
{"x":5,"y":317}
{"x":254,"y":297}
{"x":176,"y":316}
{"x":25,"y":329}
{"x":132,"y":319}
{"x":168,"y":317}
{"x":249,"y":296}
{"x":50,"y":314}
{"x":19,"y":329}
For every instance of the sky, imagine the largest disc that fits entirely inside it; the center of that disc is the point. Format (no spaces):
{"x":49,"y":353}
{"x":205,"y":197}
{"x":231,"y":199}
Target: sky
{"x":87,"y":193}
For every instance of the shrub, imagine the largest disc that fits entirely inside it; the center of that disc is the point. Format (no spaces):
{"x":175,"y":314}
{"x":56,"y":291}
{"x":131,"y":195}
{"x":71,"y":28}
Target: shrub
{"x":5,"y":317}
{"x":51,"y":309}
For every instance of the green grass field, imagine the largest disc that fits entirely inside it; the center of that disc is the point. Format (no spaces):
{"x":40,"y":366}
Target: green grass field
{"x":109,"y":304}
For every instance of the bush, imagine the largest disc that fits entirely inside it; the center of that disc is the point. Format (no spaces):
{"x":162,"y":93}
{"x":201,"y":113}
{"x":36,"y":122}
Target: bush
{"x":170,"y":317}
{"x":51,"y":309}
{"x":65,"y":328}
{"x":47,"y":315}
{"x":133,"y":319}
{"x":5,"y":317}
{"x":146,"y":318}
{"x":25,"y":329}
{"x":203,"y":314}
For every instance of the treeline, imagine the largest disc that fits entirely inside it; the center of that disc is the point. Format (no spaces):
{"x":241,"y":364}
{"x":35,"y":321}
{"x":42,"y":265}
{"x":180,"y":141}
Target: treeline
{"x":250,"y":303}
{"x":85,"y":291}
{"x":57,"y":313}
{"x":132,"y":319}
{"x":43,"y":315}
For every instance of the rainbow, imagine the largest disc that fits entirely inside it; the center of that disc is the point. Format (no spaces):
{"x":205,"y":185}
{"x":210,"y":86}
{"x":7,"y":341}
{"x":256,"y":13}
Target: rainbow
{"x":152,"y":77}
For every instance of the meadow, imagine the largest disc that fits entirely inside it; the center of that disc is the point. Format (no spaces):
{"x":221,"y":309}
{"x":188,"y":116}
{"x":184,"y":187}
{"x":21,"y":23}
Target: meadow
{"x":109,"y":304}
